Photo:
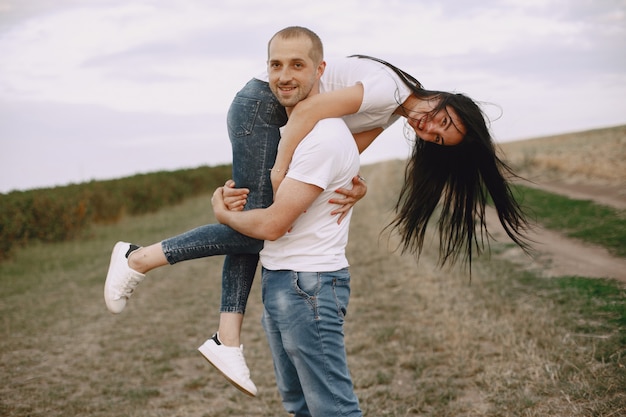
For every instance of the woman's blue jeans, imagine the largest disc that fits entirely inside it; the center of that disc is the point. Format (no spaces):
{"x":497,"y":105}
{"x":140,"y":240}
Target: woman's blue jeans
{"x":303,"y":321}
{"x":254,"y":119}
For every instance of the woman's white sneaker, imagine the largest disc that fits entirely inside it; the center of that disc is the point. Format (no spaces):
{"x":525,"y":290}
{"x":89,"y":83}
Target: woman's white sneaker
{"x":121,"y":279}
{"x":230,"y":362}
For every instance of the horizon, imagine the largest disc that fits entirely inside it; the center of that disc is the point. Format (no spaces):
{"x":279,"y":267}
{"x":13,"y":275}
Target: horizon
{"x":574,"y":133}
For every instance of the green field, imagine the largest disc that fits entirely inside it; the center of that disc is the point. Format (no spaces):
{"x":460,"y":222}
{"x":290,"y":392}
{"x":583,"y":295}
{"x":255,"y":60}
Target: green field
{"x":421,"y":341}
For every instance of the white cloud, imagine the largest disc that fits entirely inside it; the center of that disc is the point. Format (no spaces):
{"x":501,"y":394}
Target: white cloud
{"x":538,"y":60}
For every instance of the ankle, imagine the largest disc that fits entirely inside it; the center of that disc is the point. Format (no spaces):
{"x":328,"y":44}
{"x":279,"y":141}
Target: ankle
{"x":136,"y":261}
{"x":227,"y":340}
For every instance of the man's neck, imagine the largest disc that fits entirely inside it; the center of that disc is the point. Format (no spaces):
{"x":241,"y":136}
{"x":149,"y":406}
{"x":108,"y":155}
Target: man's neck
{"x":311,"y":94}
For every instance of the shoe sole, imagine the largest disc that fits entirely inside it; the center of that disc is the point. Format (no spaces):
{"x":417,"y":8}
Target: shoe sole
{"x":229,"y":379}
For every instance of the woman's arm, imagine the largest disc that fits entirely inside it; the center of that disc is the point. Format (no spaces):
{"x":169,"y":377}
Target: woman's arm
{"x":305,"y":115}
{"x":349,"y":197}
{"x":365,"y":139}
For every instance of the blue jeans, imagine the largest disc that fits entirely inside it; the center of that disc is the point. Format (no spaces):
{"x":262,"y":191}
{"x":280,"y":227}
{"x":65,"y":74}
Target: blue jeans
{"x":254,"y":118}
{"x":303,"y":321}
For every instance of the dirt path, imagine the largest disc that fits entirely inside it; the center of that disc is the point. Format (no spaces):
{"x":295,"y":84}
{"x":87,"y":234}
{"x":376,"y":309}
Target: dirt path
{"x":556,"y":254}
{"x":586,"y":165}
{"x":559,"y":255}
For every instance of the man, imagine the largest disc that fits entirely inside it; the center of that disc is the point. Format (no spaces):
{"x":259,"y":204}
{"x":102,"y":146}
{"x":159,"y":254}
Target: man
{"x":305,"y":283}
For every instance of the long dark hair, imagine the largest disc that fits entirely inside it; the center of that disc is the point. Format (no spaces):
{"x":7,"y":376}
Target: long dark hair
{"x":461,"y":178}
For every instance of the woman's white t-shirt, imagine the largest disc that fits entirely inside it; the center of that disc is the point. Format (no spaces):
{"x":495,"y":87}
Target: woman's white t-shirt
{"x":383,"y":90}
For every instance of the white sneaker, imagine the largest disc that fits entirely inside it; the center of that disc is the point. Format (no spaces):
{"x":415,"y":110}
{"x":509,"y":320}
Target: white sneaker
{"x":230,"y":362}
{"x":121,"y":279}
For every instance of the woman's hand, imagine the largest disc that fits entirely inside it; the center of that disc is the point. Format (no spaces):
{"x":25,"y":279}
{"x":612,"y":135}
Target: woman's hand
{"x":234,"y":198}
{"x":350,"y":197}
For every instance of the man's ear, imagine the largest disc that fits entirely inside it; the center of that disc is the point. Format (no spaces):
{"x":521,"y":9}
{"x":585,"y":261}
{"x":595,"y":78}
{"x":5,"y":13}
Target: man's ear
{"x":320,"y":69}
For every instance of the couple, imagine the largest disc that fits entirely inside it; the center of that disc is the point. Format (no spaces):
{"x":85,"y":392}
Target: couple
{"x":453,"y":157}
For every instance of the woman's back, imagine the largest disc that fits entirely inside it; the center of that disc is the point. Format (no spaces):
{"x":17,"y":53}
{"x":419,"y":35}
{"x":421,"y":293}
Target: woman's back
{"x":383,"y":91}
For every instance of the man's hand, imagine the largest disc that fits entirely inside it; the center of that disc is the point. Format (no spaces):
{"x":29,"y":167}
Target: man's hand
{"x":277,"y":176}
{"x":350,"y":197}
{"x":234,"y":198}
{"x":220,"y":209}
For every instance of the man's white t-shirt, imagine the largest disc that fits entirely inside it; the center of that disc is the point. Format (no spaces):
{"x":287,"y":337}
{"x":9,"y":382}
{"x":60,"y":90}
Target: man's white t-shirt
{"x":383,"y":90}
{"x":327,"y":158}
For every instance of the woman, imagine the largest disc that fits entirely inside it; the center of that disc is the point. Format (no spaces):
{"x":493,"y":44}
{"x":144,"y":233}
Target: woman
{"x":453,"y":157}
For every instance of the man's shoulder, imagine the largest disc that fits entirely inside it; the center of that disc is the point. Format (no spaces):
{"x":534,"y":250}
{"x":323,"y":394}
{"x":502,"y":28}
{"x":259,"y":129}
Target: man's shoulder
{"x":336,"y":125}
{"x":331,"y":137}
{"x":329,"y":132}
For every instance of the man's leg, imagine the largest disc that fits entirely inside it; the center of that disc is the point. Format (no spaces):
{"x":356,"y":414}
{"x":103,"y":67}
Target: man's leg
{"x":309,"y":310}
{"x":277,"y":283}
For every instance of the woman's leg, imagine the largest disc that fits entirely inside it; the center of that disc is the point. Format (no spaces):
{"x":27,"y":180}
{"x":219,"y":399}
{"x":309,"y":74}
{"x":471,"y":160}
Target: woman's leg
{"x":254,"y":119}
{"x":129,"y":262}
{"x":144,"y":260}
{"x":253,"y":122}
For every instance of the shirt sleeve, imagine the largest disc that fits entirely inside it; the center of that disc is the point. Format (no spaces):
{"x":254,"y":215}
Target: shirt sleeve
{"x":314,"y":160}
{"x":380,"y":92}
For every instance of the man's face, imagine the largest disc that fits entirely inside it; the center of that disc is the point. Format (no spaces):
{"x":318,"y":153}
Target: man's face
{"x":292,"y":72}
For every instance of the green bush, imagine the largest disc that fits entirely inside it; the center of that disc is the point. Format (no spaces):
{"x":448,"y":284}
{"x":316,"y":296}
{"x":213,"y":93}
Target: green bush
{"x":62,"y":213}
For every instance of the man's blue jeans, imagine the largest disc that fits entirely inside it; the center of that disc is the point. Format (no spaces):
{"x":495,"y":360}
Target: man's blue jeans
{"x":254,"y":118}
{"x":303,"y":320}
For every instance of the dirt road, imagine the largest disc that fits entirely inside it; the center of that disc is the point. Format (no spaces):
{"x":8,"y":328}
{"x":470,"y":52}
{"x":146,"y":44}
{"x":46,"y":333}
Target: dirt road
{"x":556,"y":254}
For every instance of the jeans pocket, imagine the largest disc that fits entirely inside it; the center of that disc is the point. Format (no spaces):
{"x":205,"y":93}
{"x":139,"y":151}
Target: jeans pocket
{"x":341,"y":289}
{"x":242,"y":115}
{"x":307,"y":284}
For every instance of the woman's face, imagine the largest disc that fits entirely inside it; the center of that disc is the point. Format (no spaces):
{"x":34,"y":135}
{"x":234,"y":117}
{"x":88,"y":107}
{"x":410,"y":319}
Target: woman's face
{"x":443,"y":127}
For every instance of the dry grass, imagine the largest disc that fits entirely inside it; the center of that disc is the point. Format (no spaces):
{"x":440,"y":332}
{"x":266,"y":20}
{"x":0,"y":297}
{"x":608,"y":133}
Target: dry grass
{"x":592,"y":157}
{"x":448,"y":347}
{"x":421,"y":341}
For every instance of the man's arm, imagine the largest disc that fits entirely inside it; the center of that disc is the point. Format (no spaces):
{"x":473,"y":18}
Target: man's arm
{"x":292,"y":199}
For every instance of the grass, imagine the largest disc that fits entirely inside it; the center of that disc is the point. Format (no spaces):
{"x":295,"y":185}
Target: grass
{"x":601,"y":304}
{"x":585,"y":220}
{"x":421,"y":341}
{"x":597,"y":309}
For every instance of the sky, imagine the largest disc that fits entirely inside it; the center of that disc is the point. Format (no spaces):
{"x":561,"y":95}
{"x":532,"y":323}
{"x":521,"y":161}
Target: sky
{"x":100,"y":89}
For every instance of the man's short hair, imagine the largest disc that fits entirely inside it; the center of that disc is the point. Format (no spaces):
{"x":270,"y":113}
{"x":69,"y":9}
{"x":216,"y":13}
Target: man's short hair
{"x":317,"y":51}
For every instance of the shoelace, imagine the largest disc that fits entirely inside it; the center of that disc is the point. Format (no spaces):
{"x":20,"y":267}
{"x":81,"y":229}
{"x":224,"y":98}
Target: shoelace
{"x":129,"y":285}
{"x":243,"y":367}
